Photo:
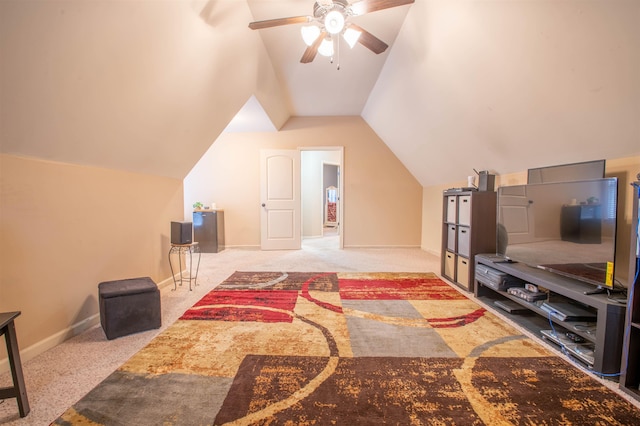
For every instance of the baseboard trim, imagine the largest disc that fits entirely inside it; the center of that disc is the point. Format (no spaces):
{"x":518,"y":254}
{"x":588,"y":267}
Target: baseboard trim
{"x":250,"y":247}
{"x":53,"y":340}
{"x":431,"y":251}
{"x":381,"y":247}
{"x":169,"y":281}
{"x":66,"y":334}
{"x":311,"y":237}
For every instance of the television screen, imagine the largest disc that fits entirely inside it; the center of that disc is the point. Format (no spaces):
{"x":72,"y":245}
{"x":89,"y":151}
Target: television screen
{"x":568,"y":228}
{"x":567,"y":172}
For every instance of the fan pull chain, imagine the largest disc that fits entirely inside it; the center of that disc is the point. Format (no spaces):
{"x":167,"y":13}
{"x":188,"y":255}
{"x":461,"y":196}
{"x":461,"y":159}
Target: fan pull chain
{"x":334,"y":51}
{"x":338,"y":43}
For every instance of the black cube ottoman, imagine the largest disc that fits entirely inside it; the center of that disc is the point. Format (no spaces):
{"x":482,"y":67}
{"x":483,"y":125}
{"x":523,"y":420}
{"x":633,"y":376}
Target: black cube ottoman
{"x":129,"y":306}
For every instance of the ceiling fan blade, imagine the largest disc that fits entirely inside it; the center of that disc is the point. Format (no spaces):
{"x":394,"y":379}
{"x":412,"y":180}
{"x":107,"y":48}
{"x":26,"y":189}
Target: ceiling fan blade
{"x":370,"y":41}
{"x":258,"y":25}
{"x":311,"y":51}
{"x":366,"y":6}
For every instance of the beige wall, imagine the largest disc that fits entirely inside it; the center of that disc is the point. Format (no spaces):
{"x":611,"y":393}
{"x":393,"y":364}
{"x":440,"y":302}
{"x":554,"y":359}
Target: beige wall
{"x":382,"y":200}
{"x":625,"y":169}
{"x":65,"y":228}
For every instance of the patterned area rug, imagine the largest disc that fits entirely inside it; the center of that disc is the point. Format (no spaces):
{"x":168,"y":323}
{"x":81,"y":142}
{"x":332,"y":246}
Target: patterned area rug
{"x":348,"y":348}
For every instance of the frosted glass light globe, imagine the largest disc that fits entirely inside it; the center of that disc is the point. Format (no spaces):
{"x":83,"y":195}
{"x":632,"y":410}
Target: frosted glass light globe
{"x":326,"y":47}
{"x":309,"y":34}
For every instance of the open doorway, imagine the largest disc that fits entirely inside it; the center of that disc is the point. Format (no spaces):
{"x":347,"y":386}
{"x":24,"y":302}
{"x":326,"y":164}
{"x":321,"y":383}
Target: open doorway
{"x":321,"y":186}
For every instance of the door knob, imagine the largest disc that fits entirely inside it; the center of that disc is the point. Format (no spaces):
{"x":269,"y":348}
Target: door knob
{"x":264,"y":205}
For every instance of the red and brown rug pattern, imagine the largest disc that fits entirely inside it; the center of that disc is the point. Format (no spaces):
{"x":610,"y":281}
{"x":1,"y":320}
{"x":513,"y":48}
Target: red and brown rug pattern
{"x":272,"y":348}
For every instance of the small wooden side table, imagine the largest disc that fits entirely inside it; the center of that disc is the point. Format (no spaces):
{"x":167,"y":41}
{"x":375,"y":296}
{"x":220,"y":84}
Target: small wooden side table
{"x":18,"y":390}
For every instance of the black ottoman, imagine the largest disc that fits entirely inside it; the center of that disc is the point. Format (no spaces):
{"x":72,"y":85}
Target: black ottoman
{"x":129,"y":306}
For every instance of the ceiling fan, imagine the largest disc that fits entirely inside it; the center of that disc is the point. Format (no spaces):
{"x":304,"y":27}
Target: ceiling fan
{"x":331,"y":18}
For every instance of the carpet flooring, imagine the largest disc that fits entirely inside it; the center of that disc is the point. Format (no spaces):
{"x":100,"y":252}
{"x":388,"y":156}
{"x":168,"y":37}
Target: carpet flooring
{"x":344,"y":348}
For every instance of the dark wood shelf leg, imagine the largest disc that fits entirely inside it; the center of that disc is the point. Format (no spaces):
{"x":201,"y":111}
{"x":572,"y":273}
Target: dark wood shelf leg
{"x":19,"y":390}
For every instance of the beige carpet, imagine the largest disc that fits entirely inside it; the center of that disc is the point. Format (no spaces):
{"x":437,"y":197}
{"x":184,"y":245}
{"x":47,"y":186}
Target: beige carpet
{"x":63,"y":375}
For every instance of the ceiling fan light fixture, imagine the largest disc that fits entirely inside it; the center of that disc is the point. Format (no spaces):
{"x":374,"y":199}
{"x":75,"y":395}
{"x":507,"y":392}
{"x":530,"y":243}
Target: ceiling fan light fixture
{"x":334,"y":22}
{"x":326,"y":47}
{"x":351,"y":36}
{"x":309,"y":34}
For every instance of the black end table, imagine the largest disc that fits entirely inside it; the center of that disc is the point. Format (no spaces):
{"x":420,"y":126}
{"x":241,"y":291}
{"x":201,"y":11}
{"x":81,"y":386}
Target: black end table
{"x":18,"y":390}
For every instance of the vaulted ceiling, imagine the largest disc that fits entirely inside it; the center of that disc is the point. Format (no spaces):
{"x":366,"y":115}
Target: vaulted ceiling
{"x":320,"y":88}
{"x":487,"y":84}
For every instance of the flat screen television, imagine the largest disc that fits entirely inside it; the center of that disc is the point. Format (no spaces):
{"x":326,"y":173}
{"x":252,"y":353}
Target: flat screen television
{"x":568,"y":228}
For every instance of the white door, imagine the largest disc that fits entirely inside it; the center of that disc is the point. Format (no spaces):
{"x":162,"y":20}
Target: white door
{"x":517,"y":212}
{"x":280,"y":199}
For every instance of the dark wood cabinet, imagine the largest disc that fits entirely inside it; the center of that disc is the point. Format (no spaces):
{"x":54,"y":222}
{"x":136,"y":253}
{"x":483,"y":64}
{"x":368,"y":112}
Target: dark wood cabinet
{"x":630,"y":375}
{"x":468,"y":228}
{"x":581,"y":223}
{"x":208,"y":230}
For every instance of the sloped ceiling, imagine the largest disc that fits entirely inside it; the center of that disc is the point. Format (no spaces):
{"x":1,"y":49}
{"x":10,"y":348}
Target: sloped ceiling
{"x":510,"y":85}
{"x":251,"y":118}
{"x":143,"y":86}
{"x":502,"y":85}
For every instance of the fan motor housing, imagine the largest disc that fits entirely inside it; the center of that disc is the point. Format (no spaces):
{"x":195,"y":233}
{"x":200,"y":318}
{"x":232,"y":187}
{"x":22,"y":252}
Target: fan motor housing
{"x":319,"y":10}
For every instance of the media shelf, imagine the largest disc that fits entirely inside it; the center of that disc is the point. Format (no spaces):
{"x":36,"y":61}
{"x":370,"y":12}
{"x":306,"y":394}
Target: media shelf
{"x":630,"y":377}
{"x":548,"y":328}
{"x":602,"y":347}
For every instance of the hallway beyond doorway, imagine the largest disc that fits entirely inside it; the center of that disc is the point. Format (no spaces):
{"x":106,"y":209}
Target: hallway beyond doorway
{"x":330,"y":240}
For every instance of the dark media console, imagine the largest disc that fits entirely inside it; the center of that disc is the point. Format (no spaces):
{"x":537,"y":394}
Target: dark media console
{"x":602,"y":336}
